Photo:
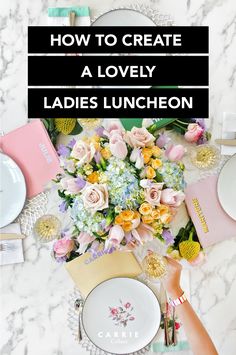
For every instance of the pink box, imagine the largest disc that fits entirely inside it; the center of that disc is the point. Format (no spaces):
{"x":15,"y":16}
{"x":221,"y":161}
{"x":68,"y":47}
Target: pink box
{"x":212,"y":223}
{"x":30,"y":147}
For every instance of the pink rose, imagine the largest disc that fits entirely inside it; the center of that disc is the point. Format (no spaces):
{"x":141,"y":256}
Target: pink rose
{"x":193,"y":133}
{"x":83,"y":152}
{"x":175,"y":152}
{"x":84,"y":240}
{"x":118,"y":146}
{"x":137,"y":158}
{"x":95,"y":197}
{"x":114,"y":311}
{"x":172,"y":198}
{"x":127,"y":305}
{"x":63,"y":246}
{"x":153,"y":194}
{"x":139,"y":137}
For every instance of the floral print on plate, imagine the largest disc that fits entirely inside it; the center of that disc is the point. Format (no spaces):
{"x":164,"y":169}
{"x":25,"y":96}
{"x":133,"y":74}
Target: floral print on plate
{"x":122,"y":314}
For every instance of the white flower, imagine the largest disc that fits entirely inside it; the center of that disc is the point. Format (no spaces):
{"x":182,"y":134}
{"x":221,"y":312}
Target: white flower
{"x":136,"y":156}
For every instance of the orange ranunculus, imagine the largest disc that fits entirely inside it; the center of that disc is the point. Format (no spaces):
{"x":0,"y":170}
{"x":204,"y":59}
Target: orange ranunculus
{"x":147,"y":219}
{"x":145,"y":209}
{"x":106,"y":153}
{"x":156,"y":151}
{"x":150,"y":172}
{"x":119,"y":219}
{"x":146,"y":158}
{"x":127,"y":215}
{"x":93,"y":177}
{"x":147,"y":151}
{"x":127,"y":226}
{"x":156,"y":163}
{"x":155,"y":214}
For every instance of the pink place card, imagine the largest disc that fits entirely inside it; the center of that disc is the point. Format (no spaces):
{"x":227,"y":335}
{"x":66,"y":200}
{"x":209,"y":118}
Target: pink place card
{"x":212,"y":223}
{"x":30,"y":147}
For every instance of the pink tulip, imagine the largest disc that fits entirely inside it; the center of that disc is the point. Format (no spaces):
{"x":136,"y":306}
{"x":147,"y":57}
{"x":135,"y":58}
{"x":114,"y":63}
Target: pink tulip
{"x":116,"y":234}
{"x":193,"y":133}
{"x":172,"y":198}
{"x":118,"y":146}
{"x":143,"y":233}
{"x":84,"y":240}
{"x":175,"y":152}
{"x":113,"y":127}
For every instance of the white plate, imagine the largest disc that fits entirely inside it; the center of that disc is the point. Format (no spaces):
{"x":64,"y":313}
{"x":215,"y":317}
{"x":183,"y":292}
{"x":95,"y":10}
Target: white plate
{"x":226,"y":187}
{"x":12,"y":190}
{"x":121,"y":316}
{"x":123,"y":17}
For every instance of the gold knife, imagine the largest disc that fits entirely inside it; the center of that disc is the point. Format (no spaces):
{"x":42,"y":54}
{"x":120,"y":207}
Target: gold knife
{"x":164,"y":309}
{"x":11,"y":236}
{"x":231,"y":142}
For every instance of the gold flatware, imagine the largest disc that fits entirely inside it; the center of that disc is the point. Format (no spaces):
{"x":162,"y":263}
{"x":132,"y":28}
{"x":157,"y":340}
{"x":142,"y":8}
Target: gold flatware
{"x":174,"y":335}
{"x":231,"y":142}
{"x":72,"y":18}
{"x":11,"y":236}
{"x":164,"y":309}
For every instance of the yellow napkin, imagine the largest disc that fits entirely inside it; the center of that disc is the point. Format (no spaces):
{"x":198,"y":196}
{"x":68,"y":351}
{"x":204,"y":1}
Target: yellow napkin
{"x":88,"y":272}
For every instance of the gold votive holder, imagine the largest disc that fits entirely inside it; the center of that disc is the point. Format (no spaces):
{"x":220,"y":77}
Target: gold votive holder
{"x":205,"y":156}
{"x":47,"y":228}
{"x":154,"y":266}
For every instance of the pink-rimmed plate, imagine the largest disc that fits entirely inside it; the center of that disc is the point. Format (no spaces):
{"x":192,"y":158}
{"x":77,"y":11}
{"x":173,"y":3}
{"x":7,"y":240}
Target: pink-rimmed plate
{"x":121,"y":316}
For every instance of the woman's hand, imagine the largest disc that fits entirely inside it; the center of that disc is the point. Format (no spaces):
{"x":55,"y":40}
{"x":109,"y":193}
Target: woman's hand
{"x":171,"y":281}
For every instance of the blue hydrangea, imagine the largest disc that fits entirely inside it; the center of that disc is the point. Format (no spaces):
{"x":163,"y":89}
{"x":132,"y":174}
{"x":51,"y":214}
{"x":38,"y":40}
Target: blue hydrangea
{"x":173,"y":175}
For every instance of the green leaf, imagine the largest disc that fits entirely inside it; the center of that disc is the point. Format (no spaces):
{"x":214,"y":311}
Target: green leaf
{"x":129,"y":123}
{"x":76,"y":130}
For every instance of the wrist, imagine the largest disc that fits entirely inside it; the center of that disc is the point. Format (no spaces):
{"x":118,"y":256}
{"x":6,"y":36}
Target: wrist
{"x":175,"y":292}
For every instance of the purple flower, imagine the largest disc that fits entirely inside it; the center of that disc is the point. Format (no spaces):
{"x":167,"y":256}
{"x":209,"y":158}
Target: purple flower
{"x":63,"y":207}
{"x":71,"y":143}
{"x":162,"y":140}
{"x":63,"y":151}
{"x":80,"y":182}
{"x":97,"y":157}
{"x":201,"y":123}
{"x":168,"y":237}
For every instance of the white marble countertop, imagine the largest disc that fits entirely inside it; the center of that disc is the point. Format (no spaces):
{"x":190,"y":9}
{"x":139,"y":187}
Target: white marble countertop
{"x":34,"y":295}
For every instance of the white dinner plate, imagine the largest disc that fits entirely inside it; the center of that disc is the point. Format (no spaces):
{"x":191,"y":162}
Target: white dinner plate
{"x":121,"y":316}
{"x":226,"y":187}
{"x":12,"y":190}
{"x":123,"y":17}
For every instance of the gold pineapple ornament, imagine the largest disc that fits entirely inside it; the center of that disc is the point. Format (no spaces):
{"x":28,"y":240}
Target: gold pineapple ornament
{"x":189,"y":249}
{"x":65,"y":125}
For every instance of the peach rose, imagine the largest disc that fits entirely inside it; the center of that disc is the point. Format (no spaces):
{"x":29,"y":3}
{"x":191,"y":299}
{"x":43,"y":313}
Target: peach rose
{"x":63,"y":246}
{"x":193,"y":133}
{"x":139,"y":137}
{"x":172,"y":198}
{"x":95,"y":197}
{"x":153,"y":194}
{"x":83,"y":152}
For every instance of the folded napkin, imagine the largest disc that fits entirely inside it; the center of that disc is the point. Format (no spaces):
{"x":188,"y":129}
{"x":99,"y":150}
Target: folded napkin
{"x":59,"y":16}
{"x":14,"y":247}
{"x":228,"y":132}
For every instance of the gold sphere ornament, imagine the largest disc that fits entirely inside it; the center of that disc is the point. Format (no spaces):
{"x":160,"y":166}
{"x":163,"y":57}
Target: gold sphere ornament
{"x":89,"y":123}
{"x":205,"y":156}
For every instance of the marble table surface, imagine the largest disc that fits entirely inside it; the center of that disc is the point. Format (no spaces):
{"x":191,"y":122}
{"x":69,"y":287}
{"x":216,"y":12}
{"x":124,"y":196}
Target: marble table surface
{"x":34,"y":295}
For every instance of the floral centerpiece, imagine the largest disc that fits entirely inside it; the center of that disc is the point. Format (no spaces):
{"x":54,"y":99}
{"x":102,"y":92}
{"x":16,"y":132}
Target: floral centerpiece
{"x":121,"y":188}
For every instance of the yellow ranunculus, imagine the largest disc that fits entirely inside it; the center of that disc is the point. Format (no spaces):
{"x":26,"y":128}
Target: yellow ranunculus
{"x":147,"y":219}
{"x":155,"y":214}
{"x":127,"y":215}
{"x":156,"y":163}
{"x":146,"y":158}
{"x":147,"y":151}
{"x":93,"y":178}
{"x":163,"y":209}
{"x":145,"y":209}
{"x":150,"y":172}
{"x":166,"y":218}
{"x":106,"y":153}
{"x":127,"y":226}
{"x":156,"y":151}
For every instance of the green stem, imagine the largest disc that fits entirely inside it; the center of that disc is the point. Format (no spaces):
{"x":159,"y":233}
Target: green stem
{"x":177,"y":125}
{"x":190,"y":236}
